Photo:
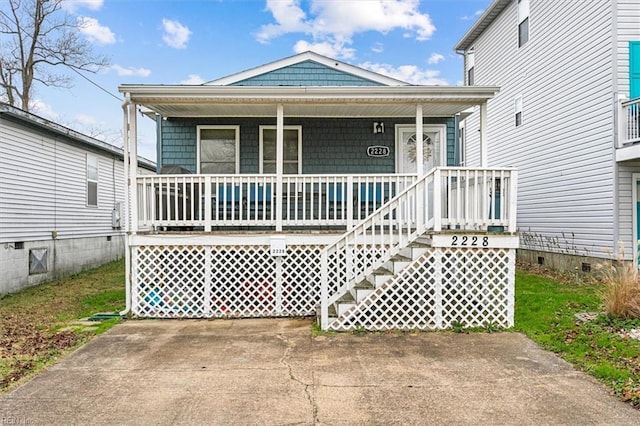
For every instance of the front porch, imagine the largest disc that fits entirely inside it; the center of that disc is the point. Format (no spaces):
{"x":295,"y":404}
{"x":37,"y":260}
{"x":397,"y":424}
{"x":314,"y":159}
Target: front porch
{"x":341,"y":201}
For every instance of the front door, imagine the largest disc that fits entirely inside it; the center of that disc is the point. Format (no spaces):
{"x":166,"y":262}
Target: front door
{"x":434,"y":148}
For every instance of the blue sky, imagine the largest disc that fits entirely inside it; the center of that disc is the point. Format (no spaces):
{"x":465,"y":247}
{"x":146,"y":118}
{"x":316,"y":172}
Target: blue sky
{"x":194,"y":41}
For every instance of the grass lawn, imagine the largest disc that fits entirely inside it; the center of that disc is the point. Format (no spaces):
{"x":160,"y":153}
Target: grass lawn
{"x":37,"y":324}
{"x":545,"y":312}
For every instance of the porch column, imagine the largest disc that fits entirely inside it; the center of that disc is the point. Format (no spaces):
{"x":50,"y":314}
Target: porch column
{"x":483,"y":135}
{"x":279,"y":165}
{"x":133,"y":166}
{"x":419,"y":142}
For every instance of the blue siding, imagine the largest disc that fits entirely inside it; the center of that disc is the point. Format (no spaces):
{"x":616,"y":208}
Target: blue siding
{"x":328,"y":145}
{"x":306,"y":73}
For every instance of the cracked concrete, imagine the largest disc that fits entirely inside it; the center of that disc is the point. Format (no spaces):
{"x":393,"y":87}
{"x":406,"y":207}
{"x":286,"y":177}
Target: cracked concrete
{"x":274,"y":372}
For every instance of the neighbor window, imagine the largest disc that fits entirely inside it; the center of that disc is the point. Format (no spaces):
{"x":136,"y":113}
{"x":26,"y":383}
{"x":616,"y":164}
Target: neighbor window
{"x":218,"y":151}
{"x":92,"y":180}
{"x":292,"y":158}
{"x":523,"y":22}
{"x":518,"y":111}
{"x":470,"y":68}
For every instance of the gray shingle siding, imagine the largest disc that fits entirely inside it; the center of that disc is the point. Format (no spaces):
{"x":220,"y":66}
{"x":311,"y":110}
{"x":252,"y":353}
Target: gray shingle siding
{"x":328,"y":145}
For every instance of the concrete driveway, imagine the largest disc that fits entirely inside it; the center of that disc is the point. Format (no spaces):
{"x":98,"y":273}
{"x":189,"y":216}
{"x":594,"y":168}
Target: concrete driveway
{"x":274,"y":372}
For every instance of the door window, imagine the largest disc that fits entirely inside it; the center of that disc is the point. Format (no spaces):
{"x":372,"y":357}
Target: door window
{"x":292,"y":159}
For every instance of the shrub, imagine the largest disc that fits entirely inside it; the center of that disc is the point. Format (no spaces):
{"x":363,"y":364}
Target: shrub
{"x":621,"y":294}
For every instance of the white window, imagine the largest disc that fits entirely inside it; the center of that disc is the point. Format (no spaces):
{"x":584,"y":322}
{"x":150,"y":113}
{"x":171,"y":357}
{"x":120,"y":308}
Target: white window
{"x":523,"y":22}
{"x":92,"y":180}
{"x":292,"y":138}
{"x":518,"y":111}
{"x":218,"y":149}
{"x":471,"y":68}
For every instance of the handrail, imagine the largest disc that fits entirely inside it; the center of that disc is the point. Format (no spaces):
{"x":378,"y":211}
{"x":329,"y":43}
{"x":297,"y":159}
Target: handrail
{"x":457,"y":198}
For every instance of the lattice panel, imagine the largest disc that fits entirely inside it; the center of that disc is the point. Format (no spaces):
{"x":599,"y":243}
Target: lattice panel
{"x":170,"y":282}
{"x":478,"y":287}
{"x":225,"y":281}
{"x":471,"y":287}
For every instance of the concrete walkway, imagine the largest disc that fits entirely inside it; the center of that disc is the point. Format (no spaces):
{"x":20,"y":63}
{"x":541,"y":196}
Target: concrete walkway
{"x":274,"y":372}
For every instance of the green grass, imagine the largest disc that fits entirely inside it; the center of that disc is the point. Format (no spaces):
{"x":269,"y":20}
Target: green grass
{"x":34,"y":323}
{"x":545,"y":312}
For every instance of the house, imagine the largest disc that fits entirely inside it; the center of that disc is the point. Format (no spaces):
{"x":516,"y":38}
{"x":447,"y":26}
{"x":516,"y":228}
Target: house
{"x":566,"y":117}
{"x":61,"y":194}
{"x":302,"y":183}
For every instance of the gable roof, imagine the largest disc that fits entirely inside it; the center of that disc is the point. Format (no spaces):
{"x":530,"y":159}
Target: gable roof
{"x":294,"y":71}
{"x":489,"y":15}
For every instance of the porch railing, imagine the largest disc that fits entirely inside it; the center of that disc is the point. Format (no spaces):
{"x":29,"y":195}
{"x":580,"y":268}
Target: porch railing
{"x":208,"y":201}
{"x":630,"y":119}
{"x":457,"y":198}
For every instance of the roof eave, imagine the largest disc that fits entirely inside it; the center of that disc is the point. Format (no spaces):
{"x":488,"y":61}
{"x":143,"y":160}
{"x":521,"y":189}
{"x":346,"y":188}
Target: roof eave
{"x":489,"y":15}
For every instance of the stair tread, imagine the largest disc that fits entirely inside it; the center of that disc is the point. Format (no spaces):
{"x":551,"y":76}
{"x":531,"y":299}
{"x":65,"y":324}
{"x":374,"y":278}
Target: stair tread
{"x":400,"y":258}
{"x":364,"y":285}
{"x":382,"y":271}
{"x":346,"y":298}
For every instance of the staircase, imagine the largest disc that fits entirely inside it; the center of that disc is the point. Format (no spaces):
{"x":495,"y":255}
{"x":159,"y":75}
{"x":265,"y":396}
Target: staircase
{"x":398,"y":269}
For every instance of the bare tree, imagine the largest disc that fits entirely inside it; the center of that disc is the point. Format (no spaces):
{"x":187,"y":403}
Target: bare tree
{"x":38,"y":36}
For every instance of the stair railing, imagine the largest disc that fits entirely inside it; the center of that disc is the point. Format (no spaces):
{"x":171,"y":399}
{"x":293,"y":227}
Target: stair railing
{"x":376,"y":239}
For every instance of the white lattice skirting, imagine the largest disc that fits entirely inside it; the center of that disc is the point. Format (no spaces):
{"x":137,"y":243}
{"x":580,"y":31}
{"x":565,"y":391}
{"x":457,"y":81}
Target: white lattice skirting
{"x":444,"y":287}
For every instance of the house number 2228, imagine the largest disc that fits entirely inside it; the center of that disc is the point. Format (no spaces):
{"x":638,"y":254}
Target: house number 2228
{"x":466,"y":241}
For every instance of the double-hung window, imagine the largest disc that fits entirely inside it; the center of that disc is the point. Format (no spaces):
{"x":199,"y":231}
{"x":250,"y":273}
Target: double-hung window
{"x":218,"y":151}
{"x":92,"y":180}
{"x":523,"y":22}
{"x":471,"y":68}
{"x":518,"y":111}
{"x":292,"y":141}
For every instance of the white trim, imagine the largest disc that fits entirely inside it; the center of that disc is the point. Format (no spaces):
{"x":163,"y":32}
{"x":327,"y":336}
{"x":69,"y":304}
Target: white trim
{"x":427,"y":128}
{"x":219,"y":127}
{"x":307,"y":56}
{"x":635,"y":178}
{"x":92,"y":158}
{"x":261,"y":148}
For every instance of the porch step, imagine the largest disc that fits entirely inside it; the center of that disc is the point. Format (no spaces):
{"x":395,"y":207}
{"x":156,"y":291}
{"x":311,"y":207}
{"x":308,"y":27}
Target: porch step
{"x":414,"y":250}
{"x":345,"y":303}
{"x":363,"y":289}
{"x":397,"y":263}
{"x":380,"y":276}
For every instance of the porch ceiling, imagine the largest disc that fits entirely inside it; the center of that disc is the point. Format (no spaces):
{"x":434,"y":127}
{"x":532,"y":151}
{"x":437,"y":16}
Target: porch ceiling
{"x":245,"y":101}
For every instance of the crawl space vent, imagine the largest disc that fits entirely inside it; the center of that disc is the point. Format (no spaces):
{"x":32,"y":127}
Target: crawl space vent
{"x":37,"y":261}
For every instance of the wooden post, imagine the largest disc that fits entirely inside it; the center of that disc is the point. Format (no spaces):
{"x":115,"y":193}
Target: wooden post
{"x":419,"y":142}
{"x":279,"y":165}
{"x":483,"y":135}
{"x":133,"y":164}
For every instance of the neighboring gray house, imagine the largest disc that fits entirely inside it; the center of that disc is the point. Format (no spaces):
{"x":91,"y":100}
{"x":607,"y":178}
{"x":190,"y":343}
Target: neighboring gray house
{"x":566,"y":117}
{"x":302,"y":183}
{"x":61,"y":200}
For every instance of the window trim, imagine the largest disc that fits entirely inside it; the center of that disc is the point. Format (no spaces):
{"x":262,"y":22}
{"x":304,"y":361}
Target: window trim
{"x":471,"y":62}
{"x":523,"y":15}
{"x":518,"y":108}
{"x":90,"y":158}
{"x":236,"y":128}
{"x":261,"y":149}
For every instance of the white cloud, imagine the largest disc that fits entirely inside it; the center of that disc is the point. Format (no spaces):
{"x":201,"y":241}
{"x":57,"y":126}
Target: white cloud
{"x":175,"y":34}
{"x":129,"y":72}
{"x":407,"y":73}
{"x":335,"y":50}
{"x":435,"y":58}
{"x":193,"y":79}
{"x":94,"y":32}
{"x":44,"y":110}
{"x":86,"y":120}
{"x":73,"y":5}
{"x":474,"y":16}
{"x":333,"y":23}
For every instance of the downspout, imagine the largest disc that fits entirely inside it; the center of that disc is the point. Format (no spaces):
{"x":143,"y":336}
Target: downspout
{"x":127,"y":252}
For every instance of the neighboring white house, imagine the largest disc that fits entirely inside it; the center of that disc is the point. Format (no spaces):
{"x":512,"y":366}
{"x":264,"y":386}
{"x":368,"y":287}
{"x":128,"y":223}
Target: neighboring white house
{"x":566,"y":71}
{"x":61,"y":199}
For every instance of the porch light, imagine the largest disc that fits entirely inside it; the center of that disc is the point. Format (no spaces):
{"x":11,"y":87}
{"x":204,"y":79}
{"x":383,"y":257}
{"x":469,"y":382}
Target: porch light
{"x":378,"y":127}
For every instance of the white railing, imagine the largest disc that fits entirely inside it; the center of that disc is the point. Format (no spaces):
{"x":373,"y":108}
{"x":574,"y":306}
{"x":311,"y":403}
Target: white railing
{"x":630,"y":121}
{"x":207,"y":201}
{"x":456,"y":198}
